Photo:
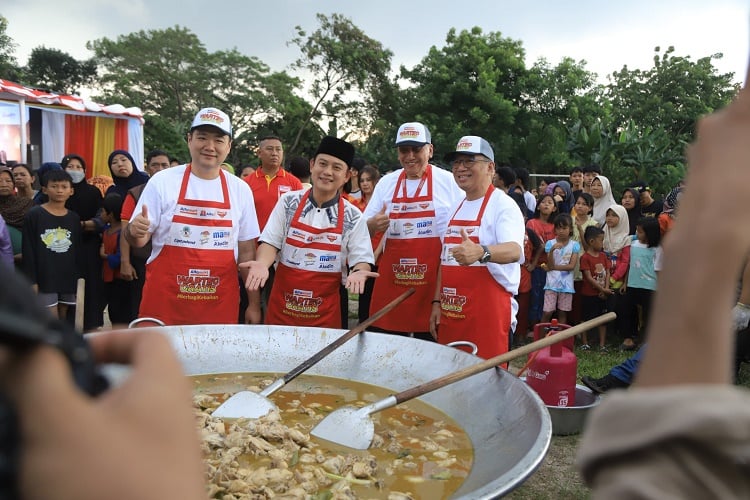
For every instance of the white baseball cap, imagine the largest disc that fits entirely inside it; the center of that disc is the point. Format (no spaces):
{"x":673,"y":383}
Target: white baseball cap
{"x":472,"y":144}
{"x":213,"y":117}
{"x":413,"y":134}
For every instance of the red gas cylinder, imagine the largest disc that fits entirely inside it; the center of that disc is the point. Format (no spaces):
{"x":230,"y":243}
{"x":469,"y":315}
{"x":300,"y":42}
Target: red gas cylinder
{"x":552,"y":374}
{"x":542,"y":329}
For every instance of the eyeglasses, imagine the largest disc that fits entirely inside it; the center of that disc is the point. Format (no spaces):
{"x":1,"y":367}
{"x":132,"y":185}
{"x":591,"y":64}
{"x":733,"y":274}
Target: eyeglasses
{"x":405,"y":150}
{"x":469,"y":162}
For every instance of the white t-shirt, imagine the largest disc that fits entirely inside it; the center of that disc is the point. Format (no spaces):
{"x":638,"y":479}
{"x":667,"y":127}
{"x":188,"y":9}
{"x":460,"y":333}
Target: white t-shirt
{"x":530,"y":201}
{"x":160,"y":197}
{"x":355,"y":239}
{"x":502,"y":222}
{"x":445,"y":195}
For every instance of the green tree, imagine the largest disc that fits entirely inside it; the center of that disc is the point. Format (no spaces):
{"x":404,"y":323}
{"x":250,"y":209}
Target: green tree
{"x":554,"y":100}
{"x":9,"y":69}
{"x":169,"y":74}
{"x":671,"y":95}
{"x":473,"y":85}
{"x":347,"y":69}
{"x":58,"y":71}
{"x":160,"y":71}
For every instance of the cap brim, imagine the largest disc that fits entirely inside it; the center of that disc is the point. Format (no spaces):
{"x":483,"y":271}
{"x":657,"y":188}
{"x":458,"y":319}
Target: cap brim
{"x":411,"y":143}
{"x":205,"y":125}
{"x":452,"y":155}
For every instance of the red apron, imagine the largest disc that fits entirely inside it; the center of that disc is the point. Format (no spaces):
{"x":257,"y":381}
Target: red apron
{"x":193,"y":280}
{"x":473,"y":305}
{"x":410,"y":259}
{"x":305,"y":290}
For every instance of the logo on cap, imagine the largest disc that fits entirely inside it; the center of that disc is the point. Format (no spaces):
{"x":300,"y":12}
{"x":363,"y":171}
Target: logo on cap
{"x":464,"y":145}
{"x":212,"y":116}
{"x":409,"y":133}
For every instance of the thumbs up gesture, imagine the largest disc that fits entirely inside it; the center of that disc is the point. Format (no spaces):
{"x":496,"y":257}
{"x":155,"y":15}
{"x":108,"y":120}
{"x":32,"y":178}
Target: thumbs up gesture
{"x":140,"y":224}
{"x":378,"y":222}
{"x":467,"y":252}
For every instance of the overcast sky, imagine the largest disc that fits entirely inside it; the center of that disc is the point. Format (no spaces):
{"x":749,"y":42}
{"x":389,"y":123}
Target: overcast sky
{"x":607,"y":34}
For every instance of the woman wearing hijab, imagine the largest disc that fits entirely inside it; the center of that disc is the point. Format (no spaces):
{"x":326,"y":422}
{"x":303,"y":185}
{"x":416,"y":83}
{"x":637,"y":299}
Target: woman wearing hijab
{"x":603,"y":199}
{"x":12,"y":208}
{"x":124,"y":173}
{"x":631,"y":201}
{"x":86,"y":202}
{"x":563,"y":194}
{"x":617,"y":248}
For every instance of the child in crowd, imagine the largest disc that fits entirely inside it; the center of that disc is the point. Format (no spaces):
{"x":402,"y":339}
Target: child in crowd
{"x":541,"y":224}
{"x":631,"y":201}
{"x":562,"y":257}
{"x":531,"y":243}
{"x":645,"y":262}
{"x":582,"y":219}
{"x":116,"y":290}
{"x":51,"y":245}
{"x":595,"y":288}
{"x":603,"y":199}
{"x":617,"y":248}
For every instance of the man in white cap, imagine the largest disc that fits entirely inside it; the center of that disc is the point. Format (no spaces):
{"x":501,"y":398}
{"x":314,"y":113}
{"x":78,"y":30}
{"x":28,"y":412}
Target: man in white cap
{"x":201,"y":222}
{"x":412,"y":205}
{"x":317,"y":233}
{"x":482,"y":249}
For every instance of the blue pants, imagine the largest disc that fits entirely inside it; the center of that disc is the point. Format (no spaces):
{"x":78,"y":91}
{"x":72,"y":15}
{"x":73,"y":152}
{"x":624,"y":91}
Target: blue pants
{"x":626,"y":370}
{"x":536,"y":302}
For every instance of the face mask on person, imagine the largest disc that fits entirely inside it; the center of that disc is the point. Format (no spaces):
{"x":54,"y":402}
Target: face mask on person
{"x":76,"y":175}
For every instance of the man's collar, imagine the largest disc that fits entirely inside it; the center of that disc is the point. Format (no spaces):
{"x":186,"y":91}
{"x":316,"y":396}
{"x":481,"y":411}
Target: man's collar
{"x":333,"y":201}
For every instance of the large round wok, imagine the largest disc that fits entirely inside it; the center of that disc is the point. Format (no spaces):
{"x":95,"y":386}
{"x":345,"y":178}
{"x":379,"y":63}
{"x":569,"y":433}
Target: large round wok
{"x":508,"y":424}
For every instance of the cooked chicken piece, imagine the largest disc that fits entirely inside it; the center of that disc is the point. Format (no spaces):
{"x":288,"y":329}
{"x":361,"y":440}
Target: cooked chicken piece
{"x":212,"y":438}
{"x":334,"y":465}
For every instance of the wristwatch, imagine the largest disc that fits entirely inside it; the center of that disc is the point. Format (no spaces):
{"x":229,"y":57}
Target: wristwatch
{"x":486,"y":256}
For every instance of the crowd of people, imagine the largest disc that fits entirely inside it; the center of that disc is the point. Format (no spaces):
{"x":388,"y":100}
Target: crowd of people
{"x":196,"y":243}
{"x":458,"y":239}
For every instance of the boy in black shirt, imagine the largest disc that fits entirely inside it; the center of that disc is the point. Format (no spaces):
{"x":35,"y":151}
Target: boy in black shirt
{"x":649,"y":206}
{"x":51,"y":241}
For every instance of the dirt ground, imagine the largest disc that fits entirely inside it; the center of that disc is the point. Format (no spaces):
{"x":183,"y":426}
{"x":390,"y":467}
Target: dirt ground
{"x":557,"y":477}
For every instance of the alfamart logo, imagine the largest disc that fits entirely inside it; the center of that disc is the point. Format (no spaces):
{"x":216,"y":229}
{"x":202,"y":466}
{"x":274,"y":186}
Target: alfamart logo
{"x":463,"y":146}
{"x":212,"y":117}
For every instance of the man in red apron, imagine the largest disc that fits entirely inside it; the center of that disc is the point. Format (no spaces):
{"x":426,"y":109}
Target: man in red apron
{"x":412,"y":206}
{"x":482,"y":250}
{"x":317,"y":232}
{"x":200,"y":221}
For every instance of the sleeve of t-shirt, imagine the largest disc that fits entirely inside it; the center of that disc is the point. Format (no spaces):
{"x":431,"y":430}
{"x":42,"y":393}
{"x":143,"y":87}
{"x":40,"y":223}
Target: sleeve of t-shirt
{"x":151,"y":198}
{"x":379,"y":194}
{"x":249,"y":228}
{"x":658,"y":259}
{"x":274,"y":233}
{"x":359,"y":248}
{"x":128,"y":206}
{"x":576,"y":247}
{"x":509,"y":226}
{"x":585,"y":262}
{"x":548,"y":245}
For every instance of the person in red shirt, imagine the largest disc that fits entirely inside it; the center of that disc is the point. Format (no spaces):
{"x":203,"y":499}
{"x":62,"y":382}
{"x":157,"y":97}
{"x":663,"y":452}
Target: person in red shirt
{"x":270,"y":180}
{"x":595,"y":288}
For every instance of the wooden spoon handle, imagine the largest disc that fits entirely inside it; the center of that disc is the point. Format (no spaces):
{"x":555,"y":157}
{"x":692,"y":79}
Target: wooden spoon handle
{"x":298,"y":370}
{"x":502,"y":358}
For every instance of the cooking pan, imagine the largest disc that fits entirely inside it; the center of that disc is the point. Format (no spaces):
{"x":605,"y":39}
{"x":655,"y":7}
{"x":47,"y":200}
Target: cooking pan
{"x":508,"y":424}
